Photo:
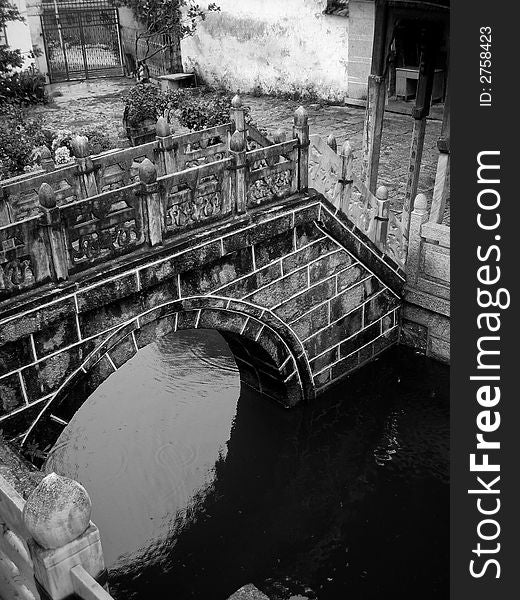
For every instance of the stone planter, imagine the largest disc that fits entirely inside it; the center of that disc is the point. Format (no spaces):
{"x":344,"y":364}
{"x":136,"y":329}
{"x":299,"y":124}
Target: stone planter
{"x":141,"y":134}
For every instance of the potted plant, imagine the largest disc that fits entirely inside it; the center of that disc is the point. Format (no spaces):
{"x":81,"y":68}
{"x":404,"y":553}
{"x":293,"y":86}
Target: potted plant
{"x":144,"y":104}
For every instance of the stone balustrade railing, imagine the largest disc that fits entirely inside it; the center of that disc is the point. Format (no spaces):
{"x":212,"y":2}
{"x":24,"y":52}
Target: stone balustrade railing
{"x":163,"y":203}
{"x":49,"y":548}
{"x":90,"y":175}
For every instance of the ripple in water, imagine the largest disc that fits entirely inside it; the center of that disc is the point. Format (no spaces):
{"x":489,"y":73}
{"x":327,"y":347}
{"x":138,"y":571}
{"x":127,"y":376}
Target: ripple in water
{"x":160,"y":424}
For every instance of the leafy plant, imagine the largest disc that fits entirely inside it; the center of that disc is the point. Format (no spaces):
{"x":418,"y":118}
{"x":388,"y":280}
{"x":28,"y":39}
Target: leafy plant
{"x":144,"y":101}
{"x":198,"y":109}
{"x":18,"y":138}
{"x":23,"y":87}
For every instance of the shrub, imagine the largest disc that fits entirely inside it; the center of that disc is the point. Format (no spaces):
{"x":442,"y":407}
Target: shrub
{"x":144,"y":101}
{"x":18,"y":138}
{"x":99,"y":141}
{"x":199,"y":109}
{"x":23,"y":88}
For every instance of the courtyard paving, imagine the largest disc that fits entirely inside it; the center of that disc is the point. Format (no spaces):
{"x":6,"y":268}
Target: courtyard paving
{"x":98,"y":103}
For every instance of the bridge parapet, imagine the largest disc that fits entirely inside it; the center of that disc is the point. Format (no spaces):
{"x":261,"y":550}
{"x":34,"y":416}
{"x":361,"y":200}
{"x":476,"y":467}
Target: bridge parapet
{"x":90,"y":175}
{"x":64,"y":240}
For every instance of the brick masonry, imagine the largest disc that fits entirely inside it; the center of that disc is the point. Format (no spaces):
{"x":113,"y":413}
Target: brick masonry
{"x":301,"y":297}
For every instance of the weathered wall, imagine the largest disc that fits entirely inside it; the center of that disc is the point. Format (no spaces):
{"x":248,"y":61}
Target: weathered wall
{"x":33,"y":20}
{"x":317,"y":298}
{"x":285,"y":47}
{"x":18,"y":34}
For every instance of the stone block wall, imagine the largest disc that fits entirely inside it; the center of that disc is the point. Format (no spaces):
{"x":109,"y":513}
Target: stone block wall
{"x":302,"y":298}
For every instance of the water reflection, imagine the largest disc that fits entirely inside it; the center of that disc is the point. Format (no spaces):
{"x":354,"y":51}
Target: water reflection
{"x":198,"y":491}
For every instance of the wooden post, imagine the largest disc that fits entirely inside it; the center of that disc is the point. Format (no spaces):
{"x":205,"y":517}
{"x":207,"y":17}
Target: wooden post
{"x":86,"y":171}
{"x":152,"y":198}
{"x":381,"y":219}
{"x":237,"y":149}
{"x":376,"y":97}
{"x":346,"y":179}
{"x":419,"y":113}
{"x":54,"y":233}
{"x":301,"y":132}
{"x":418,"y":217}
{"x":440,"y":190}
{"x":238,"y":118}
{"x":165,"y":147}
{"x":57,"y":516}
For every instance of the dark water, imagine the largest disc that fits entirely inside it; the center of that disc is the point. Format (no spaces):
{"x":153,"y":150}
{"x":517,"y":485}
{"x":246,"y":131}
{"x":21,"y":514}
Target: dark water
{"x":199,"y":488}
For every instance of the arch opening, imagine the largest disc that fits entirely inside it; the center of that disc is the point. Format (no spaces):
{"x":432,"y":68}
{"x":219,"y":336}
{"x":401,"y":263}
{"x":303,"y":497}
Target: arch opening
{"x":265,"y":360}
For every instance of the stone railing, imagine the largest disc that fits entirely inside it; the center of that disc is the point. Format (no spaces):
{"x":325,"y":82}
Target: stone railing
{"x":428,"y":263}
{"x":89,"y":175}
{"x":332,"y":175}
{"x":63,"y":240}
{"x":49,"y":548}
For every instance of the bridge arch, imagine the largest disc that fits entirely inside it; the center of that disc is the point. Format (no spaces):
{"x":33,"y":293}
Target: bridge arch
{"x":269,"y":356}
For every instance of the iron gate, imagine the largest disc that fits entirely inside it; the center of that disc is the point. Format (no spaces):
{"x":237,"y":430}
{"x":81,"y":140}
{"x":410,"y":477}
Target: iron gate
{"x":81,"y":41}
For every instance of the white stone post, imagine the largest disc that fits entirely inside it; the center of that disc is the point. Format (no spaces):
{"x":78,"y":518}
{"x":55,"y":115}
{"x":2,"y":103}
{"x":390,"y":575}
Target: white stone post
{"x":165,"y":147}
{"x":381,"y":219}
{"x":237,"y":149}
{"x":346,"y":179}
{"x":418,"y":216}
{"x":57,"y":516}
{"x":85,"y":166}
{"x":152,"y":199}
{"x":301,"y":132}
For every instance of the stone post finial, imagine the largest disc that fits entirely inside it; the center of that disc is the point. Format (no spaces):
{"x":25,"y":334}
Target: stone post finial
{"x":80,"y":146}
{"x":381,"y":220}
{"x":421,"y":203}
{"x":57,"y":511}
{"x":237,"y":142}
{"x":47,"y":196}
{"x":147,"y":172}
{"x":162,"y":127}
{"x":346,"y":150}
{"x":301,"y":116}
{"x":279,"y":136}
{"x":236,"y":101}
{"x":382,"y":193}
{"x":332,"y":143}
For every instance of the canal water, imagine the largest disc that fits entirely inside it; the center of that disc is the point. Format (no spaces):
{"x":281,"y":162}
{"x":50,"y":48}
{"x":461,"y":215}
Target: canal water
{"x":199,"y":487}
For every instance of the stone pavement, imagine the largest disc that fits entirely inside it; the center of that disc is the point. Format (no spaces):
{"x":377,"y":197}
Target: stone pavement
{"x":98,"y":103}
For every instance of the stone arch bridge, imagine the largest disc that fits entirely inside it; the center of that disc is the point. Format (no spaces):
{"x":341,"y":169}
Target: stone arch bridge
{"x":301,"y":295}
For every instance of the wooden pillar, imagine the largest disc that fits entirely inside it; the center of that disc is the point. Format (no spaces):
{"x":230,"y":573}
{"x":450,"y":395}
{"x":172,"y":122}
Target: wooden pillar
{"x":54,"y":234}
{"x":440,"y":190}
{"x":376,"y":97}
{"x":419,"y":113}
{"x":152,"y":201}
{"x":237,"y":149}
{"x":57,"y":516}
{"x":301,"y":132}
{"x":86,"y":172}
{"x":165,"y":147}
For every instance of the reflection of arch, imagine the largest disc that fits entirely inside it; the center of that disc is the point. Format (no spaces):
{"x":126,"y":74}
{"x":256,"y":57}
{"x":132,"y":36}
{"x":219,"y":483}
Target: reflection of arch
{"x":269,"y":356}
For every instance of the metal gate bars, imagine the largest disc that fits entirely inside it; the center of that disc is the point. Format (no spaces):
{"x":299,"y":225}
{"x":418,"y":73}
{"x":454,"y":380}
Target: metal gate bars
{"x":81,"y":40}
